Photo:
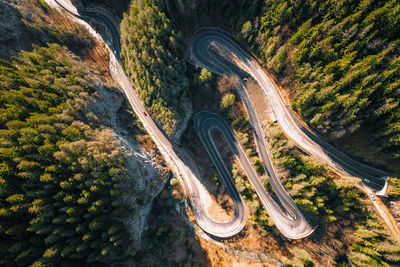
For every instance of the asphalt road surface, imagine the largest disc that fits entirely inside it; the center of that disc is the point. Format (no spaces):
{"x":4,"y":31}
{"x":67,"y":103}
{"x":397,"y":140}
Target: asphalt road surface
{"x":289,"y":220}
{"x":172,"y":153}
{"x":293,"y":225}
{"x":204,"y":57}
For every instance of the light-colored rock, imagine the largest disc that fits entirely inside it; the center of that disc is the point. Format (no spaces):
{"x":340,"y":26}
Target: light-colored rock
{"x":182,"y":122}
{"x":13,"y":34}
{"x":145,"y":180}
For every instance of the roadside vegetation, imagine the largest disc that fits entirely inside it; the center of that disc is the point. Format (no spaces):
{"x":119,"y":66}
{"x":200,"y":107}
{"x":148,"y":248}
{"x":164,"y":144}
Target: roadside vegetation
{"x":334,"y":200}
{"x":232,"y":109}
{"x":348,"y":227}
{"x":341,"y":62}
{"x":306,"y":180}
{"x":211,"y":94}
{"x":394,"y":188}
{"x":259,"y":217}
{"x":63,"y":178}
{"x":153,"y":57}
{"x":169,"y":241}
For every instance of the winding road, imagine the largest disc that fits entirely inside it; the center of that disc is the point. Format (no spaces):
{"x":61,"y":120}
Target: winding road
{"x":314,"y":144}
{"x":175,"y":157}
{"x":288,"y":218}
{"x":294,"y":225}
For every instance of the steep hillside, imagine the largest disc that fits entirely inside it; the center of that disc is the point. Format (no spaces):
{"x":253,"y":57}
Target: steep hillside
{"x":76,"y":187}
{"x":12,"y":30}
{"x":362,"y":68}
{"x":340,"y":59}
{"x":152,"y":38}
{"x":153,"y":57}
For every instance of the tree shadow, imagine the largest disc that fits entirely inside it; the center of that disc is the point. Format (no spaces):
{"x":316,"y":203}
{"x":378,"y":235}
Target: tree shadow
{"x":169,"y":240}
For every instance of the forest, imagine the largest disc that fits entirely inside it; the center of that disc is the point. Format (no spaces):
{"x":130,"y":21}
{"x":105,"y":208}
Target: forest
{"x":62,"y":178}
{"x":153,"y":38}
{"x":338,"y":205}
{"x":341,"y":61}
{"x":153,"y":57}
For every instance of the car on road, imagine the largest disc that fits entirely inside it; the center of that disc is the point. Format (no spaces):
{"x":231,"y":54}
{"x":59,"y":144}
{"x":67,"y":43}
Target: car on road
{"x":144,"y":113}
{"x":372,"y":196}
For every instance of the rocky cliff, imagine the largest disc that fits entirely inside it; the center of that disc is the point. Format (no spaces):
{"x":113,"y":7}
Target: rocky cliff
{"x":12,"y":31}
{"x":147,"y":181}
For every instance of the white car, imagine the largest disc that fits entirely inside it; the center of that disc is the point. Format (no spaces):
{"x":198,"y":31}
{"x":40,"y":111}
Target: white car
{"x":372,"y":196}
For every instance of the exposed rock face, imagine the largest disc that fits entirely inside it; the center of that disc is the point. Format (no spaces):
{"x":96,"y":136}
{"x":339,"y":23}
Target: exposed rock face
{"x":147,"y":182}
{"x":12,"y":31}
{"x":182,"y":122}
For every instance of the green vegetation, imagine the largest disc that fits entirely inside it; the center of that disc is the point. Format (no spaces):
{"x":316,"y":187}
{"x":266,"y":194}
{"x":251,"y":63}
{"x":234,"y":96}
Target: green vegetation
{"x":205,"y":75}
{"x":302,"y":258}
{"x":373,"y":245}
{"x":344,"y":57}
{"x":260,"y":216}
{"x":62,"y":178}
{"x":227,"y":101}
{"x":169,"y":241}
{"x":242,"y":124}
{"x":332,"y":201}
{"x":174,"y":182}
{"x":306,"y":180}
{"x":153,"y":58}
{"x":129,"y":120}
{"x":48,"y":25}
{"x":258,"y":165}
{"x":216,"y":180}
{"x":43,"y":5}
{"x":191,"y":14}
{"x":394,"y":188}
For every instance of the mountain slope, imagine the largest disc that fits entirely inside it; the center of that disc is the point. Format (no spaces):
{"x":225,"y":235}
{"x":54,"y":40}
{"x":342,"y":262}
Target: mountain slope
{"x":75,"y":186}
{"x":342,"y":61}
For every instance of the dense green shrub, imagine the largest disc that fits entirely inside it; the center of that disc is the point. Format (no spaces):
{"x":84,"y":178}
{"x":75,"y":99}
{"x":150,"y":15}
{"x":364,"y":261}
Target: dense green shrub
{"x":227,"y":101}
{"x":306,"y":180}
